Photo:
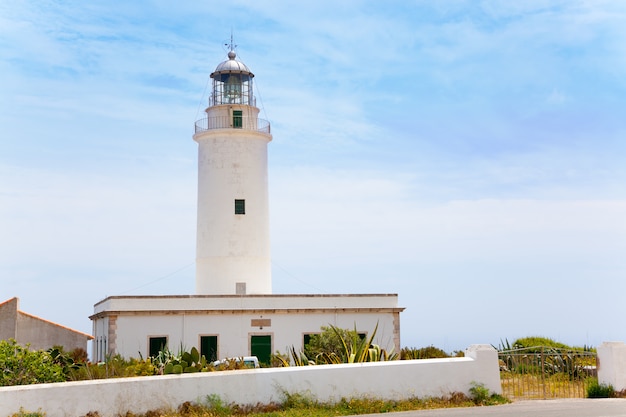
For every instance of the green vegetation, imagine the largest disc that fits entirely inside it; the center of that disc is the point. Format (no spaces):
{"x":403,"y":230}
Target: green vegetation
{"x":428,"y":352}
{"x":539,"y":367}
{"x":185,"y":362}
{"x":597,"y":390}
{"x":536,"y":343}
{"x":112,"y":367}
{"x":480,"y":395}
{"x":24,"y":413}
{"x":330,"y":342}
{"x":303,"y":404}
{"x":335,"y":345}
{"x":22,"y":366}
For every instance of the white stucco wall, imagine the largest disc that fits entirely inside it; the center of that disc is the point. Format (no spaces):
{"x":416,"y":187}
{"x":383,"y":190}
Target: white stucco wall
{"x":231,"y":248}
{"x":388,"y":380}
{"x":234,"y":319}
{"x":234,"y":330}
{"x":612,"y":364}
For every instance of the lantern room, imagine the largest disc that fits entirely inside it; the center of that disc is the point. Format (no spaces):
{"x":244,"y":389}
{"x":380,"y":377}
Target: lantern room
{"x":232,"y":83}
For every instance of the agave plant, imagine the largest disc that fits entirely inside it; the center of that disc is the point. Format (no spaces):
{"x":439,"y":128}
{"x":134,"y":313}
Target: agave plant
{"x":297,"y":358}
{"x":357,"y":350}
{"x":353,"y":348}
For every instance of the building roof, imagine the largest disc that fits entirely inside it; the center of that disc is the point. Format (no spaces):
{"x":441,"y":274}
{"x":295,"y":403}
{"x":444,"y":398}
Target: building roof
{"x":275,"y":303}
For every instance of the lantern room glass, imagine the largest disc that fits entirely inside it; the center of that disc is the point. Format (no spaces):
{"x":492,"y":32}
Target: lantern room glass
{"x":232,"y":88}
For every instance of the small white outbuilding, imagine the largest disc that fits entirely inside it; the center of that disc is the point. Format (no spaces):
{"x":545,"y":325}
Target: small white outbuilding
{"x":38,"y":333}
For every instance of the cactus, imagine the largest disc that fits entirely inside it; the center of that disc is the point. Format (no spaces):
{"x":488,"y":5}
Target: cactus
{"x":185,"y":362}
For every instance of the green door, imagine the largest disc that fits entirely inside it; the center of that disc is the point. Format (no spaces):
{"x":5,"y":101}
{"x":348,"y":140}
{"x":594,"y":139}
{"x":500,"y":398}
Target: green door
{"x":208,"y":347}
{"x":261,"y":347}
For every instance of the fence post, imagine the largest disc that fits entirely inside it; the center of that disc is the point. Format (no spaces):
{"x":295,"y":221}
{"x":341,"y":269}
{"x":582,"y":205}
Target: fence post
{"x":611,"y":364}
{"x":543,"y":373}
{"x":488,"y":366}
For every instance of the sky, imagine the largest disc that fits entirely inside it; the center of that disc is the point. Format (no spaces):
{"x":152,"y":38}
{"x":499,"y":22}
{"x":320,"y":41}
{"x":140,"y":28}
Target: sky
{"x":469,"y":156}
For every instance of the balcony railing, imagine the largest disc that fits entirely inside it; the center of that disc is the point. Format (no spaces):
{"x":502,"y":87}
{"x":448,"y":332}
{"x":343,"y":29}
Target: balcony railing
{"x":233,"y":122}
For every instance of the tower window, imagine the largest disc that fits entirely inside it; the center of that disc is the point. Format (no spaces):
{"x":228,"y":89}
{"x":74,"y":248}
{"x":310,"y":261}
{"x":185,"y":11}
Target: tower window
{"x":238,"y":119}
{"x":240,"y":206}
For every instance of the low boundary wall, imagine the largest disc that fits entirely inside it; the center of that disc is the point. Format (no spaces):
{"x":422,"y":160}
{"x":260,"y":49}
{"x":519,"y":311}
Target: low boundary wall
{"x":388,"y":380}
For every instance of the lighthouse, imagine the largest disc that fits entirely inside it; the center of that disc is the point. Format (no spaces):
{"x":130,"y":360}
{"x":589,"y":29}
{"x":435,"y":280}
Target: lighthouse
{"x":234,"y":312}
{"x":232,"y":240}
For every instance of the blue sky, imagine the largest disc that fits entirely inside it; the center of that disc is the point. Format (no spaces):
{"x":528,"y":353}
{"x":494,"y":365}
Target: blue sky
{"x":469,"y":156}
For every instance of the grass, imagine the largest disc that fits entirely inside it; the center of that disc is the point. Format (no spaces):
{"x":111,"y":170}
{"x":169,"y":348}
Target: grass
{"x":597,"y":390}
{"x":301,"y":405}
{"x":533,"y":386}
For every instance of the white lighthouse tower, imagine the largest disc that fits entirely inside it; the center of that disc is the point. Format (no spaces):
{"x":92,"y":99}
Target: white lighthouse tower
{"x":232,"y":242}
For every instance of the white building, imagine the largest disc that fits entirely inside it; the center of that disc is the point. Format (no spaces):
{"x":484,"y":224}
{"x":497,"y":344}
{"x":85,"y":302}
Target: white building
{"x":234,"y":312}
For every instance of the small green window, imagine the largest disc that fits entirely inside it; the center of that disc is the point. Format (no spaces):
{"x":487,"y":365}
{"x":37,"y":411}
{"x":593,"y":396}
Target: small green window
{"x":208,"y":347}
{"x":240,"y":206}
{"x":238,"y":119}
{"x":156,"y":345}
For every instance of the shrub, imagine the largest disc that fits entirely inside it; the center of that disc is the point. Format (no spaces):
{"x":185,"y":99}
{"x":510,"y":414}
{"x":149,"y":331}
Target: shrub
{"x":335,"y":345}
{"x":24,"y":413}
{"x":481,"y":395}
{"x":596,"y":390}
{"x":22,"y":366}
{"x":428,"y":352}
{"x":137,"y":367}
{"x":538,"y":341}
{"x":329,"y":342}
{"x":217,"y":407}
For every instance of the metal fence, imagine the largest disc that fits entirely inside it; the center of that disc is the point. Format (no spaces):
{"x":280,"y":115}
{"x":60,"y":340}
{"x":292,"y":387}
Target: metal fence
{"x":233,"y":122}
{"x":544,"y":373}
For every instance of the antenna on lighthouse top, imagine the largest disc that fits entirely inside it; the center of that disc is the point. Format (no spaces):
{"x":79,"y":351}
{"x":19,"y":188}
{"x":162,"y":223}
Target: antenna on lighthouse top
{"x":231,"y":45}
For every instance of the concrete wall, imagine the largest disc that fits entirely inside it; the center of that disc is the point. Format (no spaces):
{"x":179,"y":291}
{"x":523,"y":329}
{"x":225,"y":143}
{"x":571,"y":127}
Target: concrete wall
{"x":612,"y":364}
{"x":8,"y":319}
{"x":43,"y":335}
{"x":388,"y":380}
{"x":40,"y":334}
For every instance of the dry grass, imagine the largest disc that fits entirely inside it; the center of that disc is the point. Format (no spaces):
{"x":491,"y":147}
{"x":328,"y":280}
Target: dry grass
{"x":533,"y":386}
{"x":297,"y":405}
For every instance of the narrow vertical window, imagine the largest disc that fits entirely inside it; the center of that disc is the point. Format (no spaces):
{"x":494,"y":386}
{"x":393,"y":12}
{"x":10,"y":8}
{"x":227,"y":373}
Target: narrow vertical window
{"x":240,"y":206}
{"x":238,"y":119}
